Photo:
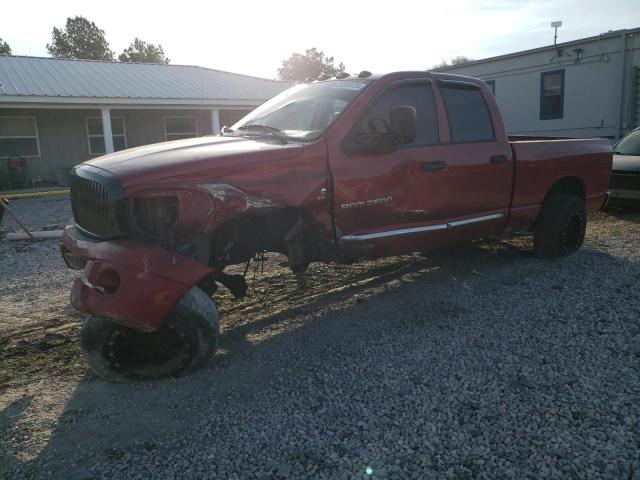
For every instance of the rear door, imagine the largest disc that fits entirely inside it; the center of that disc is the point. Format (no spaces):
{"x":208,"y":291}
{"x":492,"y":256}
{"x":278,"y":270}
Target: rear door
{"x":478,"y":159}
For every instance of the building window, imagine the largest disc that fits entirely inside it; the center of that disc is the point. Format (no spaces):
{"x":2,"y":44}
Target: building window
{"x":492,"y":86}
{"x":19,"y":137}
{"x":552,"y":95}
{"x":95,"y":135}
{"x":469,"y":118}
{"x":230,"y":117}
{"x":177,"y":128}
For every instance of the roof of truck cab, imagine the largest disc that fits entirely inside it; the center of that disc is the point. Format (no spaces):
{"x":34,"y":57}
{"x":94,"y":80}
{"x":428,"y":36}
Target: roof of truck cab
{"x":417,"y":73}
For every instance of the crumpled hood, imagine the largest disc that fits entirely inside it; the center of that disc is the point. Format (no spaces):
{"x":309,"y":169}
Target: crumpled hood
{"x":203,"y":157}
{"x":626,"y":162}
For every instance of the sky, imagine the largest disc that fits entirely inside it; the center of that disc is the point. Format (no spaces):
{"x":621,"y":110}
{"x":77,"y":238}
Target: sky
{"x":254,"y":37}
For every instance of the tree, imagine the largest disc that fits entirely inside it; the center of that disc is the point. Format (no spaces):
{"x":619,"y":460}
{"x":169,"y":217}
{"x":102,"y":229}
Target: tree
{"x":313,"y":65}
{"x":79,"y":39}
{"x":442,"y":64}
{"x":143,"y":52}
{"x":459,"y":60}
{"x":5,"y":49}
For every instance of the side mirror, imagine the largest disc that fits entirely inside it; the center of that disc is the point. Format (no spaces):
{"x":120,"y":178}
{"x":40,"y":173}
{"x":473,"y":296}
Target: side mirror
{"x":404,"y":120}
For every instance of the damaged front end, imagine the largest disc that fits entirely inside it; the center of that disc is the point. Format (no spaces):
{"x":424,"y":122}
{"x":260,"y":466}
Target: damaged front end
{"x":127,"y":281}
{"x":142,"y":251}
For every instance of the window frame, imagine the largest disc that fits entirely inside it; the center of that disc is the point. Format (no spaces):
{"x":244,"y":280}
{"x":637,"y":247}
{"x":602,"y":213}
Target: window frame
{"x":461,"y":85}
{"x":543,"y":75}
{"x":492,"y":86}
{"x":90,"y":135}
{"x":164,"y":122}
{"x":398,"y":84}
{"x":37,"y":136}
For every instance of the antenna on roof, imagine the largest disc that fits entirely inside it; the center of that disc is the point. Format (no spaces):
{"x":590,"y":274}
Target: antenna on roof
{"x":555,"y":25}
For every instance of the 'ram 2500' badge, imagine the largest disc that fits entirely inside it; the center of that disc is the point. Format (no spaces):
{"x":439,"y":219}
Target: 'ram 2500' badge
{"x":368,"y":203}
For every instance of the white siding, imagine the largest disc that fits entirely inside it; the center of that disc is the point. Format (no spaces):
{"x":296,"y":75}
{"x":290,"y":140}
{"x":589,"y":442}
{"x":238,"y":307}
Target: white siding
{"x":592,"y":87}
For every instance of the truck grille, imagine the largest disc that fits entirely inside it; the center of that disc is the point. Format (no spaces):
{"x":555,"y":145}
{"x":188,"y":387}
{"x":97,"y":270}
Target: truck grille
{"x":625,"y":180}
{"x":96,"y":202}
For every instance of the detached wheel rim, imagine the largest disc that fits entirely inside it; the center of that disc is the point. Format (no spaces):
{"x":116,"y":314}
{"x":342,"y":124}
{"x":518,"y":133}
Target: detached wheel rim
{"x":573,"y":233}
{"x":148,"y":355}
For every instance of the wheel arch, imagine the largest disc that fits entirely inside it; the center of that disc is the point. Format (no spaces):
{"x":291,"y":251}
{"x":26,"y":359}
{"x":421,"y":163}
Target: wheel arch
{"x":570,"y":185}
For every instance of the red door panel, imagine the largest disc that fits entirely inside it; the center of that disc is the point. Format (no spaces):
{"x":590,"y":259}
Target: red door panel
{"x":378,"y":191}
{"x":477,"y":186}
{"x":479,"y":160}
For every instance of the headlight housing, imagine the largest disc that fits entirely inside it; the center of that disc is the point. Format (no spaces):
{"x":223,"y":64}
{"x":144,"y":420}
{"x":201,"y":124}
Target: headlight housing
{"x":155,"y":217}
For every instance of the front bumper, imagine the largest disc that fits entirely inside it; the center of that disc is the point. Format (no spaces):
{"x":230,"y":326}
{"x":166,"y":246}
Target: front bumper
{"x":130,"y":282}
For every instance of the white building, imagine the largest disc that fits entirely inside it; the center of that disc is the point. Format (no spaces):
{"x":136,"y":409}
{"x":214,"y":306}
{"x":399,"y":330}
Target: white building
{"x":585,"y":88}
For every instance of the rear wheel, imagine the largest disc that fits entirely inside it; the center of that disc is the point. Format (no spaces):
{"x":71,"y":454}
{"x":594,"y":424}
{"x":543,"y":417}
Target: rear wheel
{"x":187,"y":337}
{"x":560,"y":227}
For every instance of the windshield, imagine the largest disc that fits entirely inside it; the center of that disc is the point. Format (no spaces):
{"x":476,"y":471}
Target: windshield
{"x":629,"y":145}
{"x":304,"y":111}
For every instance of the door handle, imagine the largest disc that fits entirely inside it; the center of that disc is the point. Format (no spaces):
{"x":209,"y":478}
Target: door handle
{"x":497,"y":159}
{"x":432,"y":166}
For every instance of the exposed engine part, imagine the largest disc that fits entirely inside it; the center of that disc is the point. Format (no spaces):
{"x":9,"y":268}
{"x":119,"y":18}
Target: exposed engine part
{"x":208,"y":285}
{"x":296,"y":252}
{"x":236,"y":284}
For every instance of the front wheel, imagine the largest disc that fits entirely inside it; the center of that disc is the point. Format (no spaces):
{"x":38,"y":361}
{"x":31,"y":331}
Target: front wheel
{"x":561,"y":226}
{"x":187,"y":337}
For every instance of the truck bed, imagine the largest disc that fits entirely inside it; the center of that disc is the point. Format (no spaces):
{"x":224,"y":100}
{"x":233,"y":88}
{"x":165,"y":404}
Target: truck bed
{"x":540,"y":162}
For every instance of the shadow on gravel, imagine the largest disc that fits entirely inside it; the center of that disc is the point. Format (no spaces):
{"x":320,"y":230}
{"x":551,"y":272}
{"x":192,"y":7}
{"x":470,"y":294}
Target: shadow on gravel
{"x":629,"y":212}
{"x":108,"y":421}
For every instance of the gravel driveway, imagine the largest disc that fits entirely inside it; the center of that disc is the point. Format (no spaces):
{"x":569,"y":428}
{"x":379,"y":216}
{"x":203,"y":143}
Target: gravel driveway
{"x":483,"y":362}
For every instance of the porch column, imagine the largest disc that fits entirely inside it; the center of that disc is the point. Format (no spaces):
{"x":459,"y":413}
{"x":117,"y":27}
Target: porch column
{"x":215,"y":121}
{"x":106,"y":130}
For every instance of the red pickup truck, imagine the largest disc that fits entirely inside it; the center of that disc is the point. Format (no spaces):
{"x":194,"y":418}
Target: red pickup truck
{"x":333,"y":171}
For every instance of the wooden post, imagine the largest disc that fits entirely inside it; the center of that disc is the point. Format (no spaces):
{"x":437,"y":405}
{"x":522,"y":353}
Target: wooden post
{"x":6,"y":207}
{"x":106,"y":130}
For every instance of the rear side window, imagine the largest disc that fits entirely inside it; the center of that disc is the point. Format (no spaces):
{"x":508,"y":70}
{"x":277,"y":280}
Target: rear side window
{"x":469,"y":118}
{"x":418,"y":95}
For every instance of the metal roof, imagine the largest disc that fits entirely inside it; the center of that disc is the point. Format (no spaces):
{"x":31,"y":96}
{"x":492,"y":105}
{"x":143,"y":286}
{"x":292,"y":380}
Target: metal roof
{"x":610,"y":33}
{"x":71,"y":79}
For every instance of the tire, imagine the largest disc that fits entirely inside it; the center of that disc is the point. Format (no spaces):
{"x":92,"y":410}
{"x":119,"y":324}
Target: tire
{"x":560,"y":227}
{"x":187,"y":337}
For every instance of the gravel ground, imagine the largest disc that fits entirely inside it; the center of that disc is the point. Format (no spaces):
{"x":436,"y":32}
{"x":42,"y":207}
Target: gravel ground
{"x":483,"y":362}
{"x":29,"y":272}
{"x":38,"y":213}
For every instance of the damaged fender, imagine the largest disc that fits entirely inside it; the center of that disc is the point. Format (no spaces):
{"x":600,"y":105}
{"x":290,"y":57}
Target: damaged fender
{"x":130,"y":282}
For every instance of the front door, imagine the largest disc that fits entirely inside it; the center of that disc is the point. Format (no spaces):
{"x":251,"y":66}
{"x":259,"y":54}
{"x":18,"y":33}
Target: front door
{"x":393,"y":200}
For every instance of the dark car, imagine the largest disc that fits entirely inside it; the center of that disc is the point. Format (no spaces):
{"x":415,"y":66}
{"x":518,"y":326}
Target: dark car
{"x":625,"y":175}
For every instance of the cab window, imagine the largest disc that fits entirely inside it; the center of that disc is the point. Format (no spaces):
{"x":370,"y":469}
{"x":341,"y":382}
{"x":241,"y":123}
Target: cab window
{"x":469,"y":117}
{"x":418,"y":95}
